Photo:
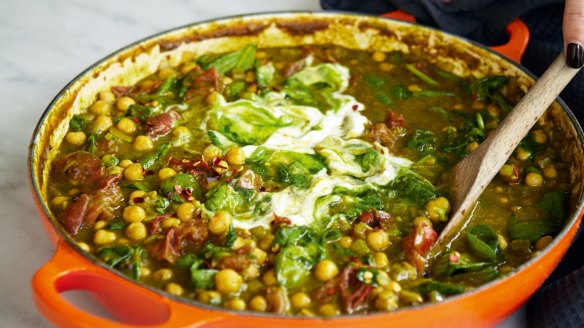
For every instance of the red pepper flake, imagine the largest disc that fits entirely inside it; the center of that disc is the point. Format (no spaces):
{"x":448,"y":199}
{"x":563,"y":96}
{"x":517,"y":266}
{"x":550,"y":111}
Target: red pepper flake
{"x":454,"y":258}
{"x":355,"y":107}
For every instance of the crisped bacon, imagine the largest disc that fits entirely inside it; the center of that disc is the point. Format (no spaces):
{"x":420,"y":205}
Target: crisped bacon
{"x":121,"y":91}
{"x":191,"y":232}
{"x":417,"y":243}
{"x":160,"y":125}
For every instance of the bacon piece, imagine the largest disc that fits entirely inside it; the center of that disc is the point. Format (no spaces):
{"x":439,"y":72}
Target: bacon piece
{"x":395,"y":121}
{"x":235,"y":262}
{"x":190,"y":232}
{"x":75,"y":213}
{"x":121,"y":91}
{"x":417,"y":243}
{"x":379,"y":132}
{"x":160,"y":125}
{"x":354,"y":293}
{"x":279,"y":221}
{"x":277,"y":300}
{"x":192,"y":166}
{"x":294,"y":67}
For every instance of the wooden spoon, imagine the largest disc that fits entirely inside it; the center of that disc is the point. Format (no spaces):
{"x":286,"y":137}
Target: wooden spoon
{"x":473,"y":173}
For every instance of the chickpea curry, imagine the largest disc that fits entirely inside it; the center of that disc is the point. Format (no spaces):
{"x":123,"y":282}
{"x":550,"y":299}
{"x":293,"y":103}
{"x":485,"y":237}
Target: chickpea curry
{"x":302,"y":181}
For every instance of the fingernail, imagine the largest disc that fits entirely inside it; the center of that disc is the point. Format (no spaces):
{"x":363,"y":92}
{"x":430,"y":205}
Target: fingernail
{"x":575,"y":55}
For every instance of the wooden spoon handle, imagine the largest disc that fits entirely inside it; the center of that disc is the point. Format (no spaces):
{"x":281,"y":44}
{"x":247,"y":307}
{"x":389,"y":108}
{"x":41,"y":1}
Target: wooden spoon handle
{"x":473,"y":174}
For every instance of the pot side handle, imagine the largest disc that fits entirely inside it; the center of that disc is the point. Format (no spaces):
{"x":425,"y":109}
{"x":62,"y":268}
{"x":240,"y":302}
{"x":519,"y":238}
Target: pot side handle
{"x":131,"y":304}
{"x":514,"y":48}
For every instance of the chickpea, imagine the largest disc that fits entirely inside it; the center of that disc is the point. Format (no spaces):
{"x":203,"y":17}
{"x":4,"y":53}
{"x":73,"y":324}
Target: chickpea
{"x":386,"y":67}
{"x":250,"y":77}
{"x":221,"y":167}
{"x":539,"y":136}
{"x":420,"y":220}
{"x":134,"y":172}
{"x":220,"y":223}
{"x":472,"y":146}
{"x":84,"y":246}
{"x":326,"y":270}
{"x":134,"y":213}
{"x":76,"y":138}
{"x":212,"y":98}
{"x":136,"y":194}
{"x":103,"y":123}
{"x":211,"y":152}
{"x":99,"y":225}
{"x":251,"y":272}
{"x":227,"y":281}
{"x":100,"y":107}
{"x":127,"y":126}
{"x":509,"y":173}
{"x":346,"y":242}
{"x":142,"y":143}
{"x":187,"y":67}
{"x":534,"y":179}
{"x":103,"y":237}
{"x":235,"y":156}
{"x":163,"y":275}
{"x":381,"y":260}
{"x":236,"y":304}
{"x":383,"y":279}
{"x":166,"y":173}
{"x":386,"y":301}
{"x":165,"y":73}
{"x":378,"y":240}
{"x":550,"y":172}
{"x":543,"y":242}
{"x":300,"y":300}
{"x":478,"y":105}
{"x":378,"y":56}
{"x":169,"y":223}
{"x":438,"y":209}
{"x":186,"y":211}
{"x":328,"y":310}
{"x":502,"y":242}
{"x":209,"y":296}
{"x":261,"y":55}
{"x":181,"y":133}
{"x":174,"y":289}
{"x":125,"y":163}
{"x":145,"y":272}
{"x":259,"y":254}
{"x":60,"y":200}
{"x":414,"y":88}
{"x":107,"y":96}
{"x":136,"y":231}
{"x":522,"y":154}
{"x":258,"y":303}
{"x":227,"y":80}
{"x":266,"y":242}
{"x":269,"y":278}
{"x":124,"y":103}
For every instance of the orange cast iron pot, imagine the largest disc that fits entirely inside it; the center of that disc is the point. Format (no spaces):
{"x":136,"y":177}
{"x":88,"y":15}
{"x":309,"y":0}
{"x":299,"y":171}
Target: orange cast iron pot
{"x":134,"y":304}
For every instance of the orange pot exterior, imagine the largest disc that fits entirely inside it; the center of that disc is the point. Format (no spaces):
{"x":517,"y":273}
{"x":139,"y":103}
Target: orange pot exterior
{"x":136,"y":305}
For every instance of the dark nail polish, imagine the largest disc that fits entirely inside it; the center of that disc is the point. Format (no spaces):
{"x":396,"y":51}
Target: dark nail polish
{"x":575,"y":55}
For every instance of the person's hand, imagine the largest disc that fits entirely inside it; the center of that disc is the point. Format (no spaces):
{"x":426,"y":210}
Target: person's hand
{"x":574,"y":33}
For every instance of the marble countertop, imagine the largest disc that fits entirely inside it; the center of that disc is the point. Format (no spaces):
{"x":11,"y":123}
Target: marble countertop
{"x":44,"y":45}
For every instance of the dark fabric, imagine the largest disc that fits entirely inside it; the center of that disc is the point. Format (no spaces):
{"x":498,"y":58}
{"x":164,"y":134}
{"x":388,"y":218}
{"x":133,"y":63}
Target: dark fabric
{"x":554,"y":307}
{"x":485,"y":21}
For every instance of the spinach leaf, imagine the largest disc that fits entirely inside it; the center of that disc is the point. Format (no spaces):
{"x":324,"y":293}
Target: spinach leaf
{"x":138,"y":111}
{"x":553,"y":205}
{"x":237,"y":61}
{"x":454,"y":263}
{"x":180,"y":187}
{"x":414,"y":187}
{"x":92,"y":144}
{"x":234,"y":90}
{"x":484,"y":242}
{"x":117,"y":224}
{"x":266,"y":76}
{"x":165,"y":87}
{"x":76,"y":123}
{"x":384,"y":99}
{"x":426,"y":286}
{"x":423,"y":141}
{"x":188,"y":260}
{"x":400,"y":92}
{"x":114,"y":256}
{"x":230,"y":237}
{"x":375,"y":81}
{"x":292,"y":266}
{"x":149,"y":160}
{"x":224,"y":197}
{"x":161,"y":204}
{"x":483,"y":89}
{"x":432,"y":94}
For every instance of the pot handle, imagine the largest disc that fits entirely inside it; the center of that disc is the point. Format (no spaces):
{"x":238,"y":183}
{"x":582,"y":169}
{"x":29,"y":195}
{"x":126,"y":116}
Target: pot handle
{"x":514,"y":48}
{"x":131,"y":304}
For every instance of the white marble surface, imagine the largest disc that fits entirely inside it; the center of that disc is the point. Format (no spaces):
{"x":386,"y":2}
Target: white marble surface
{"x":44,"y":44}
